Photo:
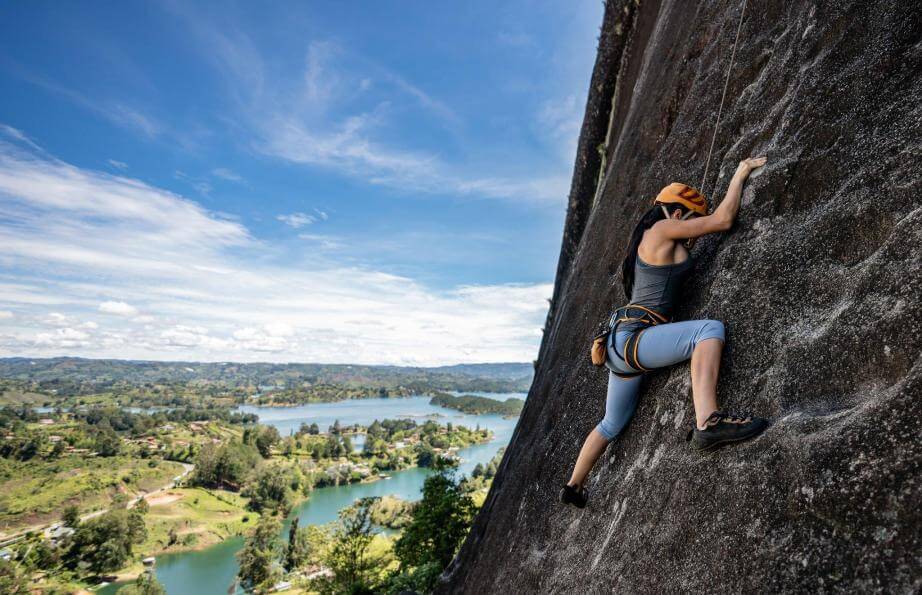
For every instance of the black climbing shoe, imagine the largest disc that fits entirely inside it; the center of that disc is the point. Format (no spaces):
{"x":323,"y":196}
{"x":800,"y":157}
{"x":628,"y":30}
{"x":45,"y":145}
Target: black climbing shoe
{"x":571,"y":495}
{"x":723,"y":428}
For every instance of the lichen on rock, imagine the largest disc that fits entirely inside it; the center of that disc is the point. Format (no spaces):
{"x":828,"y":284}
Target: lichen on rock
{"x":819,"y":284}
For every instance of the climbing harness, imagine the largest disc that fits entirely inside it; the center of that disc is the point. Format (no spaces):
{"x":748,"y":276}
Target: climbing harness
{"x":724,"y":96}
{"x":646,"y":317}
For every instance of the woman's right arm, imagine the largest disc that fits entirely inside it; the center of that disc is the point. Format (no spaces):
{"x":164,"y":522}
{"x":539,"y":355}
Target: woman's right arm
{"x":723,"y":216}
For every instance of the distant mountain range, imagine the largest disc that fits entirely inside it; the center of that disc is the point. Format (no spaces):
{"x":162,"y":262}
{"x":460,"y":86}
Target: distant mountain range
{"x":103,"y":374}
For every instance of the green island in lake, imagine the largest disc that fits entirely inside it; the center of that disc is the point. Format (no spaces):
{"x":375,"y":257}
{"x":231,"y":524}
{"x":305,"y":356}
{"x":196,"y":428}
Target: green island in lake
{"x":478,"y":405}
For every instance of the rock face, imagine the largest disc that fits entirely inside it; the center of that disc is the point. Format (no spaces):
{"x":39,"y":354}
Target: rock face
{"x":819,"y":284}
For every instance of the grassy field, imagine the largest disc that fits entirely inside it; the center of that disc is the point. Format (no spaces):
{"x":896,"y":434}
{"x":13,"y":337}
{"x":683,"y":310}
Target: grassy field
{"x":35,"y":492}
{"x":191,"y":518}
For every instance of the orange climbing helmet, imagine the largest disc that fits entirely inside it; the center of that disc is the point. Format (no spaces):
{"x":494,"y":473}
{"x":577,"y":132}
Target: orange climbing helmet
{"x":684,"y":195}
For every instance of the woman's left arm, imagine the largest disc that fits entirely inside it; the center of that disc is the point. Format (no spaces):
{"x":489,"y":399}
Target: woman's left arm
{"x":723,"y":216}
{"x":730,"y":205}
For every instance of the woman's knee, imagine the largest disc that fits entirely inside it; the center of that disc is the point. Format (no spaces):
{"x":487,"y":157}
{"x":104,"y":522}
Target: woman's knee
{"x":711,"y":329}
{"x":608,"y":429}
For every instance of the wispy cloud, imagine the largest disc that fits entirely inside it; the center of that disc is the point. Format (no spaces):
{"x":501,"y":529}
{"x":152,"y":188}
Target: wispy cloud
{"x":296,"y":220}
{"x":120,"y":165}
{"x":105,"y":265}
{"x":117,"y":112}
{"x":201,"y":185}
{"x":226,"y":174}
{"x":324,"y":242}
{"x":316,"y":119}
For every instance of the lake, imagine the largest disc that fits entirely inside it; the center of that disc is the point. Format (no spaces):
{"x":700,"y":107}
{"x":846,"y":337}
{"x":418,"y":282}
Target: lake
{"x":212,"y":570}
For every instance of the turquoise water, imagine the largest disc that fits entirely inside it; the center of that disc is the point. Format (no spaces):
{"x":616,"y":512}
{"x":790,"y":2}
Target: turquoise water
{"x":212,"y":570}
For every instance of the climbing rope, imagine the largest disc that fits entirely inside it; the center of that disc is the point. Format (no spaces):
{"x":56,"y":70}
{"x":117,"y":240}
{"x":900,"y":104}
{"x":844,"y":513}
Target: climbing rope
{"x":724,"y":96}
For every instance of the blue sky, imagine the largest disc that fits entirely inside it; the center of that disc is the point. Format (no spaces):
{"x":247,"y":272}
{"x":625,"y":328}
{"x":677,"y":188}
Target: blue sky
{"x":366,"y":182}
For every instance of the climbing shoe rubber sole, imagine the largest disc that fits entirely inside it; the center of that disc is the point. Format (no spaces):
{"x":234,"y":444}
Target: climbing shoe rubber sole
{"x":706,"y":444}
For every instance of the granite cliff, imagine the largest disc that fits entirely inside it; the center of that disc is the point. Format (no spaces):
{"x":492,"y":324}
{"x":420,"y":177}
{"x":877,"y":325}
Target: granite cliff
{"x":819,"y":284}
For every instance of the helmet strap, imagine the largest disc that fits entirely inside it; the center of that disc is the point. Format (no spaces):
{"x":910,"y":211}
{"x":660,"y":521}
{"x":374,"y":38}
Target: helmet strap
{"x":688,"y":214}
{"x":665,"y":211}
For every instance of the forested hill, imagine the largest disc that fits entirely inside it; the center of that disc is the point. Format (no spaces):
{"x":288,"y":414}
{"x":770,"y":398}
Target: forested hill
{"x":78,"y":375}
{"x":819,"y":283}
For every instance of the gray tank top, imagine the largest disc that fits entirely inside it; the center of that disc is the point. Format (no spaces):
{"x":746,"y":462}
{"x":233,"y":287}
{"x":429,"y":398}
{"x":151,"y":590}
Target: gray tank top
{"x":657,"y":287}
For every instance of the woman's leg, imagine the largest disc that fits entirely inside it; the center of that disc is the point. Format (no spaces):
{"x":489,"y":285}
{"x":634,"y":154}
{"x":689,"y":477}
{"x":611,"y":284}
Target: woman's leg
{"x":620,"y":403}
{"x":700,"y":340}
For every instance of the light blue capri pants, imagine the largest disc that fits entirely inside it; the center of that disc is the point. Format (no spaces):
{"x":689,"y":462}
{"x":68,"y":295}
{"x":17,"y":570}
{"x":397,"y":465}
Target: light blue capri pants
{"x":659,"y":346}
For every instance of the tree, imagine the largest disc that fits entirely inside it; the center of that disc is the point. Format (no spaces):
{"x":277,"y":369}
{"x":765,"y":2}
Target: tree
{"x":478,"y":470}
{"x":348,"y":556}
{"x":31,"y":447}
{"x":299,"y":549}
{"x":266,"y":438}
{"x":108,"y":444}
{"x":258,"y":568}
{"x":314,"y":429}
{"x":269,"y":489}
{"x":333,"y":447}
{"x":146,"y":584}
{"x":71,"y":516}
{"x":347,"y":444}
{"x":224,"y":466}
{"x":440,"y":522}
{"x":142,"y":506}
{"x":425,"y":455}
{"x":104,"y":543}
{"x":11,"y":579}
{"x":57,"y":450}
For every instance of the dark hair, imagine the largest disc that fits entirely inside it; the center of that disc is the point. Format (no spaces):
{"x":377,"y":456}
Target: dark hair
{"x":653,"y":214}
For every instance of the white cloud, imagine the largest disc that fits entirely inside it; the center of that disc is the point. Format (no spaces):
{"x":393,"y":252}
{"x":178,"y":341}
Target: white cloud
{"x":314,"y":119}
{"x":62,"y":338}
{"x":226,"y":174}
{"x":5,"y":315}
{"x":73,"y":238}
{"x":201,"y":186}
{"x":325,"y":242}
{"x":117,"y":164}
{"x":118,"y":308}
{"x":297,"y":220}
{"x":57,"y":319}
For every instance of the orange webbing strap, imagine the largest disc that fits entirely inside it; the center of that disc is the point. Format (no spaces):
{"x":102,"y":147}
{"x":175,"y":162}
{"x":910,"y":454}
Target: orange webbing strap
{"x":630,"y":351}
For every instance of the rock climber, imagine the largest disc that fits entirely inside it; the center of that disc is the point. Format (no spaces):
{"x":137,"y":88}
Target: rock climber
{"x":641,"y":339}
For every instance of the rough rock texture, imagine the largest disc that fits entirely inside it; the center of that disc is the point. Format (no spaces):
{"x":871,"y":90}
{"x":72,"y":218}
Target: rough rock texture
{"x":819,"y":284}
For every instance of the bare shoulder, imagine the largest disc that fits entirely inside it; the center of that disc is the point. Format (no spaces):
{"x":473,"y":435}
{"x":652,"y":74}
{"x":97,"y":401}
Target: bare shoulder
{"x":655,"y":247}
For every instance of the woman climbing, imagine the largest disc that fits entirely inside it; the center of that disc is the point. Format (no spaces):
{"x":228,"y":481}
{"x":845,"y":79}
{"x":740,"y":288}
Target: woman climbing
{"x":642,"y":339}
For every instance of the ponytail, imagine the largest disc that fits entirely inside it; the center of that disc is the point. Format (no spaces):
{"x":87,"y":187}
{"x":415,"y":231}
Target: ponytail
{"x":654,"y":214}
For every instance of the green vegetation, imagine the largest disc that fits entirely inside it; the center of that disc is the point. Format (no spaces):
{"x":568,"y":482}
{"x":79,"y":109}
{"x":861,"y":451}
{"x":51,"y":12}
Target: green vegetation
{"x":352,"y":556}
{"x":119,"y":483}
{"x":475,"y":405}
{"x":36,"y":492}
{"x":193,"y":518}
{"x":72,"y":382}
{"x":146,"y":584}
{"x":105,"y":543}
{"x":258,"y":568}
{"x":85,"y":458}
